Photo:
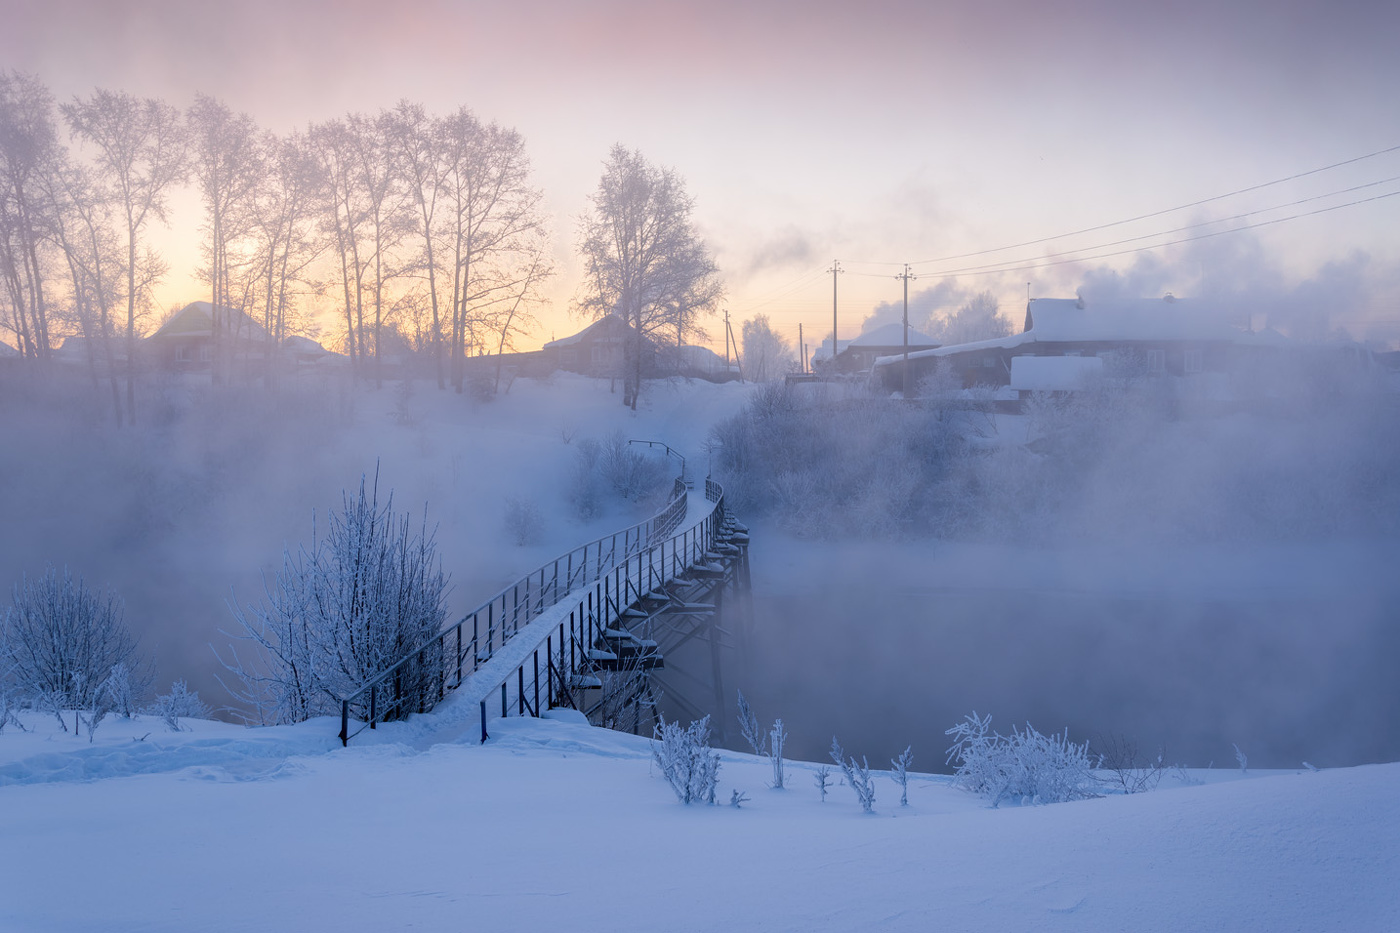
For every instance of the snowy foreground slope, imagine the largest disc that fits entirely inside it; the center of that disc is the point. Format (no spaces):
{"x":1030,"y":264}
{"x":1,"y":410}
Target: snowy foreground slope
{"x":555,"y":825}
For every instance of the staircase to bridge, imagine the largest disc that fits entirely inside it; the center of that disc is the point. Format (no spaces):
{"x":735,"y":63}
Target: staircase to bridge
{"x":597,"y":630}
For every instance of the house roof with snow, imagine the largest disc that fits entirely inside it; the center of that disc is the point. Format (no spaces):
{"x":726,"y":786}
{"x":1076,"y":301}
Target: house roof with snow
{"x":7,"y":351}
{"x":823,"y":352}
{"x":892,"y":335}
{"x":197,"y":320}
{"x":605,"y":322}
{"x":1071,"y":320}
{"x":1143,"y":320}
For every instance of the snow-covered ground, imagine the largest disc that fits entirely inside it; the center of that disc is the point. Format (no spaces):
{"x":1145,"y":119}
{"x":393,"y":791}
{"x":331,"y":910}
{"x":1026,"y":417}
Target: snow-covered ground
{"x":553,"y":825}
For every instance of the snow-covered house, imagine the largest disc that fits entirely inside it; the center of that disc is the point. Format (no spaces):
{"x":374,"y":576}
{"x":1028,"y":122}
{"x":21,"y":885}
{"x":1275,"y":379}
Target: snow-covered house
{"x":303,"y":353}
{"x":1162,"y":337}
{"x":699,"y":363}
{"x":186,"y":340}
{"x":859,"y":355}
{"x":600,"y":349}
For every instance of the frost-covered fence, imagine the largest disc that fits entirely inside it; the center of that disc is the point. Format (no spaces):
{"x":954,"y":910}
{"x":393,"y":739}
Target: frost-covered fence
{"x":419,"y":680}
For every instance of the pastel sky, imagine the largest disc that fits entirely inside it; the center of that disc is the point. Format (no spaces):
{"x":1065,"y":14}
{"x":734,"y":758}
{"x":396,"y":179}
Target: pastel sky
{"x":875,"y":133}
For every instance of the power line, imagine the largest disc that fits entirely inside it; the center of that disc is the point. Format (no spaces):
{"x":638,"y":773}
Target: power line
{"x":1197,"y":226}
{"x":1169,"y":210}
{"x":982,"y":270}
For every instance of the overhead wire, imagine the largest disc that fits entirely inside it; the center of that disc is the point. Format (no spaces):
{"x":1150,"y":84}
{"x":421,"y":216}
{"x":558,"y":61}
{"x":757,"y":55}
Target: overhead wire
{"x":1169,"y":210}
{"x":1011,"y":266}
{"x":1196,"y":226}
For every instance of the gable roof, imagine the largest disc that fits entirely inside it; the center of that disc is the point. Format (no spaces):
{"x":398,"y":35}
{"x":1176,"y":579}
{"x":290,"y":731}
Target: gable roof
{"x":7,"y":351}
{"x":892,"y":335}
{"x":604,"y":322}
{"x":197,"y":320}
{"x":1075,"y":320}
{"x":1143,"y":320}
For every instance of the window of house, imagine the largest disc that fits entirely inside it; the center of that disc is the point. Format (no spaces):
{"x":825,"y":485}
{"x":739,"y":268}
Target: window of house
{"x":206,"y":353}
{"x":182,"y":354}
{"x":1192,"y":362}
{"x":988,"y":362}
{"x":1074,"y":353}
{"x":1156,"y":361}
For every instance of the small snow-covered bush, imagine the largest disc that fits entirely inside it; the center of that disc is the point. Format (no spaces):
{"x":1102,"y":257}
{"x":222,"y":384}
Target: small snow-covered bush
{"x":1025,"y":766}
{"x":683,"y":754}
{"x":61,"y":640}
{"x":1119,"y":765}
{"x":775,"y":752}
{"x":857,"y":775}
{"x":823,"y":780}
{"x":901,"y":773}
{"x":524,"y":522}
{"x":180,"y":702}
{"x":748,"y":725}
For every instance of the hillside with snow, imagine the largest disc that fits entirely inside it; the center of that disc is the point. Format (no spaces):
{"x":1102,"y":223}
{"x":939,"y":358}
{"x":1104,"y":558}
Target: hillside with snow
{"x":555,"y":824}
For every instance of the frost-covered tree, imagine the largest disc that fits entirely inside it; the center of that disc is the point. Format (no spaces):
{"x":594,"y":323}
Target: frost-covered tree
{"x":976,"y":320}
{"x":340,"y":612}
{"x":62,"y":641}
{"x":643,"y":259}
{"x":766,"y":355}
{"x":140,"y":147}
{"x":29,"y":149}
{"x":227,"y":164}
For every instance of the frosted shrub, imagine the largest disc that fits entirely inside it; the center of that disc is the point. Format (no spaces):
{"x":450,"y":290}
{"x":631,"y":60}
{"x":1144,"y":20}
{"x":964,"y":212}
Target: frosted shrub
{"x":359,"y":599}
{"x":857,"y":776}
{"x":683,"y":754}
{"x":61,"y":640}
{"x":585,"y":493}
{"x":775,"y":752}
{"x":180,"y":702}
{"x":1024,"y":766}
{"x":823,"y":780}
{"x":748,"y":725}
{"x":524,"y":521}
{"x":901,"y":773}
{"x":1119,"y":765}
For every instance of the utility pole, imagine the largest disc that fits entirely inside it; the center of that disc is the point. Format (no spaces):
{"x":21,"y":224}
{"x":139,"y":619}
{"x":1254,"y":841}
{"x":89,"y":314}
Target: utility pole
{"x":906,"y":276}
{"x":835,"y":270}
{"x":728,"y":336}
{"x":801,"y":351}
{"x":726,"y":340}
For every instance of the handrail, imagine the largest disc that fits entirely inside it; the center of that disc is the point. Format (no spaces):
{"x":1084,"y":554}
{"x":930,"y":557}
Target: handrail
{"x":669,"y":451}
{"x":600,"y":608}
{"x":407,"y":684}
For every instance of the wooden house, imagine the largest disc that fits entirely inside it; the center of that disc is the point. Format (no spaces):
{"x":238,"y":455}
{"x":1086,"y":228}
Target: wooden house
{"x":600,"y":349}
{"x":185,"y":342}
{"x":859,"y":355}
{"x":1156,"y":337}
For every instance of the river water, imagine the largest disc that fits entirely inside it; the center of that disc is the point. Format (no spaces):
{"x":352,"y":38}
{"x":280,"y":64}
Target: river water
{"x":1291,"y":652}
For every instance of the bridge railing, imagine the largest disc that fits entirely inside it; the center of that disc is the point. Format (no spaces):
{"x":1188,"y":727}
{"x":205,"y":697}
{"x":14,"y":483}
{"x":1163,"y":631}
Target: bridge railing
{"x":420,"y":679}
{"x":538,"y":680}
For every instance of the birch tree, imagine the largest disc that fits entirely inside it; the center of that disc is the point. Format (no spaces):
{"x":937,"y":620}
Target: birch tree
{"x":141,"y":147}
{"x":226,"y":161}
{"x":492,"y":228}
{"x":643,"y":259}
{"x":29,"y":148}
